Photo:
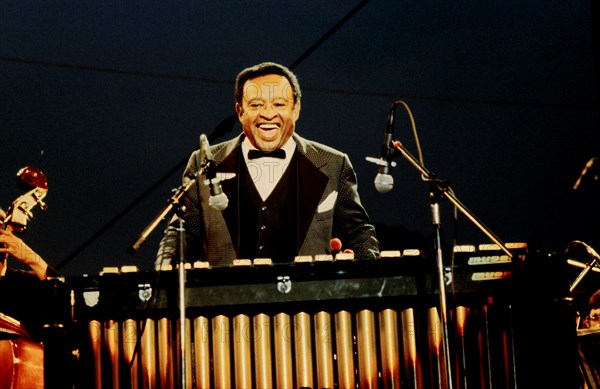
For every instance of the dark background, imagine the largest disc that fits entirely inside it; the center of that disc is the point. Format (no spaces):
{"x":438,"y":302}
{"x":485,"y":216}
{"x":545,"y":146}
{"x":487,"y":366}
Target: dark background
{"x":108,"y":98}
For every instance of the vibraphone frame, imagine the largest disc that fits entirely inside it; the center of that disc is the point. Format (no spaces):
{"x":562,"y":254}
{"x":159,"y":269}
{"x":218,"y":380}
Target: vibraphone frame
{"x":344,"y":324}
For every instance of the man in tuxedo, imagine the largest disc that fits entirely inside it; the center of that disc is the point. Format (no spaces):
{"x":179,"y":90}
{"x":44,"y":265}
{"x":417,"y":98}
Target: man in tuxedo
{"x":287,"y":196}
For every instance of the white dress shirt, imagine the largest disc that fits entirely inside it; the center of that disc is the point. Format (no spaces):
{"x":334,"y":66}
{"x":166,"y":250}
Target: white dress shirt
{"x":267,"y":171}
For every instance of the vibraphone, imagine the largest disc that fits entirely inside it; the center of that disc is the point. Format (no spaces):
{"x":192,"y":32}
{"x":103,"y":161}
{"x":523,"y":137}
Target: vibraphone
{"x":337,"y":324}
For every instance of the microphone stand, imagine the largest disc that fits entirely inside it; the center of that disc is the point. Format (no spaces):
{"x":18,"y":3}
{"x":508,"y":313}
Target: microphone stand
{"x":588,"y":266}
{"x":174,"y":205}
{"x":441,"y":189}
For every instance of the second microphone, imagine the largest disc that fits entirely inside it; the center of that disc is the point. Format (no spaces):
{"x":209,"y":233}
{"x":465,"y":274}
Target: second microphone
{"x":217,"y":200}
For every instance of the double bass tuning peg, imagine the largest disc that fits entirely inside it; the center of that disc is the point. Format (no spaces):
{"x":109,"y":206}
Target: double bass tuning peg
{"x":19,"y":213}
{"x":29,"y":178}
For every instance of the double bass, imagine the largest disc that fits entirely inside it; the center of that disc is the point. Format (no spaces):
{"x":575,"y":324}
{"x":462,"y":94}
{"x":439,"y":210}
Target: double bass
{"x":21,"y":357}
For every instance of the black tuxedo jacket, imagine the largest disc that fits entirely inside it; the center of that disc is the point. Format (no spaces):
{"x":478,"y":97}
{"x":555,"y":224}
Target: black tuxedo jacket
{"x":328,"y":200}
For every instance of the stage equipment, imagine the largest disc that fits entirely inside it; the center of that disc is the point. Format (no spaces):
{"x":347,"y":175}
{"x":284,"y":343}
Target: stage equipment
{"x":175,"y":206}
{"x":217,"y":199}
{"x":592,"y":264}
{"x":588,"y":339}
{"x":319,"y":324}
{"x":587,"y":167}
{"x":439,"y":189}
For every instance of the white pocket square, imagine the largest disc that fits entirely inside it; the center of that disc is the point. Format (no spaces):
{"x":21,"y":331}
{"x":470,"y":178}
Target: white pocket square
{"x":328,"y":203}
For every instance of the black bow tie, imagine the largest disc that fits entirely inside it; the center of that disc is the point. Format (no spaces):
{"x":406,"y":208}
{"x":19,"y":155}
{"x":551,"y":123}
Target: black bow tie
{"x":279,"y":153}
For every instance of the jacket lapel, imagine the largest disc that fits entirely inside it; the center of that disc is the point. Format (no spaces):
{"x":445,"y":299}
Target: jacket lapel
{"x":311,"y":184}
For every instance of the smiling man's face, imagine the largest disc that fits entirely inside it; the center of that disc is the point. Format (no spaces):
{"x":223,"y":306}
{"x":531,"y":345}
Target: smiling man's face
{"x":268,"y":112}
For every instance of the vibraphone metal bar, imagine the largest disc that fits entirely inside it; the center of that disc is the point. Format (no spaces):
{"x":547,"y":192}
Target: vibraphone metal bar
{"x":350,"y":324}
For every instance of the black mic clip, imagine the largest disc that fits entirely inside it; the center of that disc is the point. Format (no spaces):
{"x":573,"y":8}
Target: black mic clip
{"x":388,"y":151}
{"x":209,"y":170}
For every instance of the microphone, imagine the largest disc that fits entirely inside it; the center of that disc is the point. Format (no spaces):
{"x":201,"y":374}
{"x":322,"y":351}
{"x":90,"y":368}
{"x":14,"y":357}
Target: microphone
{"x":584,"y":172}
{"x":384,"y":182}
{"x":217,"y":200}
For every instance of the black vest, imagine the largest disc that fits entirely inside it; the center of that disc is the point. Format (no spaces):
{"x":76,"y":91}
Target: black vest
{"x":270,"y":227}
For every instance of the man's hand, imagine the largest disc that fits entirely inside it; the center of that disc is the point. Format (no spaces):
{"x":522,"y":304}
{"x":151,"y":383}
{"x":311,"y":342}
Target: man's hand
{"x":15,"y":247}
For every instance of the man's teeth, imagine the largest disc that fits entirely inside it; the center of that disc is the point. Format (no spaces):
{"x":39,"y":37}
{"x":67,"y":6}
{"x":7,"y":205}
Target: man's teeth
{"x":269,"y":126}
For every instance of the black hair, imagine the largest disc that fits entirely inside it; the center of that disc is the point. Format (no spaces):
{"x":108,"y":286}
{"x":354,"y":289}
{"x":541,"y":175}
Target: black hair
{"x":263,"y":69}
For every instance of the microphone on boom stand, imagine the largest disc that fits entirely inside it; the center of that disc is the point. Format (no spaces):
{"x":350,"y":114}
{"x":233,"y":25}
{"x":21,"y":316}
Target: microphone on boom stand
{"x":384,"y":181}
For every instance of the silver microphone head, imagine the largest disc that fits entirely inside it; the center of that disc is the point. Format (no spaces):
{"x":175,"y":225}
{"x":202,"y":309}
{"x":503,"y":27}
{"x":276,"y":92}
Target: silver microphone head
{"x":384,"y":182}
{"x":218,"y":202}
